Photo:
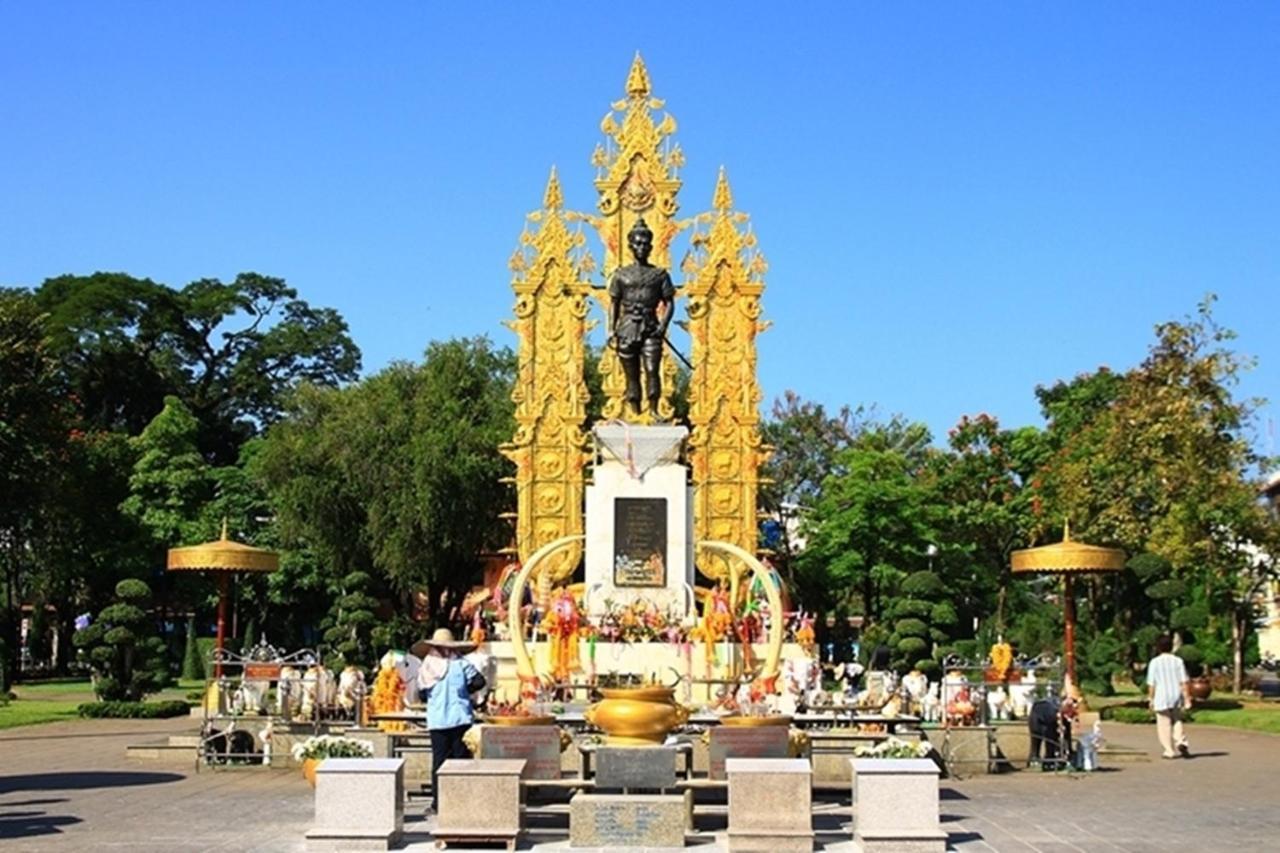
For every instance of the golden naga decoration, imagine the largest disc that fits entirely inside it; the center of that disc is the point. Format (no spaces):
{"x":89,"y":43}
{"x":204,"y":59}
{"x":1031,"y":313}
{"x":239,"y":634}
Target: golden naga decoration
{"x":551,"y":281}
{"x":725,"y":281}
{"x":636,"y":176}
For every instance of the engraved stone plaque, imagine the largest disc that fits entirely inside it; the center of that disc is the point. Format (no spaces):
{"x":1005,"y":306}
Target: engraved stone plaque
{"x":746,"y":742}
{"x":539,"y":746}
{"x":631,"y":821}
{"x":640,"y":542}
{"x":635,"y":767}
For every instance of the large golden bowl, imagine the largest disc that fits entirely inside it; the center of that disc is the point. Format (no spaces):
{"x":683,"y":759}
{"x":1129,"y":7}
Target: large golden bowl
{"x":752,"y":722}
{"x":510,"y":720}
{"x":637,"y":716}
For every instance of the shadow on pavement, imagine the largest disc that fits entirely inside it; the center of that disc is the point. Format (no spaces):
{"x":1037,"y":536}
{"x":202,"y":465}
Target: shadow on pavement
{"x":77,"y":781}
{"x":954,"y":838}
{"x":23,"y":824}
{"x":1218,"y":754}
{"x":950,"y":794}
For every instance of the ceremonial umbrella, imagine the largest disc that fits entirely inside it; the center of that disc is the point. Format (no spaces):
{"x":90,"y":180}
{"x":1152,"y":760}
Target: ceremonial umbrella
{"x":1068,"y":559}
{"x":224,"y":557}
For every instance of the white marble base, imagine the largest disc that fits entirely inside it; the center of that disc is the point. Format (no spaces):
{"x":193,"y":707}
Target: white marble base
{"x":636,"y":461}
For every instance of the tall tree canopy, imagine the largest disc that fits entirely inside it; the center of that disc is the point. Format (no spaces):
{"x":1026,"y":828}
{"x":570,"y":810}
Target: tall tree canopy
{"x":229,"y":351}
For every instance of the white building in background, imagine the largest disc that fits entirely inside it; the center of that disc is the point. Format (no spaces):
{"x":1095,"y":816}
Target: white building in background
{"x":1269,"y":620}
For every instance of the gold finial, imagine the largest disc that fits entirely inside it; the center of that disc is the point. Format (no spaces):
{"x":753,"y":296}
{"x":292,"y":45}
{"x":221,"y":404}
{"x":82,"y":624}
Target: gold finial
{"x":638,"y":79}
{"x":1066,"y":529}
{"x":553,"y":199}
{"x":224,"y":528}
{"x":723,"y":198}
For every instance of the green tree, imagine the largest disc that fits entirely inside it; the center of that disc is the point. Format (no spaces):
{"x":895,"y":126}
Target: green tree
{"x":229,"y":351}
{"x":34,"y":428}
{"x":170,"y":482}
{"x":873,"y":523}
{"x":396,"y":480}
{"x":805,"y":440}
{"x":1165,"y":466}
{"x":126,"y":655}
{"x":983,"y":482}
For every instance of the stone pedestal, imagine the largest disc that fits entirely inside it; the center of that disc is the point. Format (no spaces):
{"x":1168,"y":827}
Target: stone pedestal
{"x":639,"y":522}
{"x":627,"y":820}
{"x":538,"y":746}
{"x":770,"y":804}
{"x":966,"y":750}
{"x":359,"y":804}
{"x":479,"y":800}
{"x":895,"y":806}
{"x":728,"y":742}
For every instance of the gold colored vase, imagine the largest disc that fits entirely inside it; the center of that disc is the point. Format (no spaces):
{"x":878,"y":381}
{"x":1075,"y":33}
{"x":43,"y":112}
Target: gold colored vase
{"x":637,"y":716}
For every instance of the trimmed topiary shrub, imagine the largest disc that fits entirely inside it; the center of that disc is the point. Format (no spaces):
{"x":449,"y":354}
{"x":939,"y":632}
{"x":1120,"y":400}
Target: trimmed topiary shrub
{"x":192,"y":666}
{"x":124,"y":652}
{"x":1193,"y":658}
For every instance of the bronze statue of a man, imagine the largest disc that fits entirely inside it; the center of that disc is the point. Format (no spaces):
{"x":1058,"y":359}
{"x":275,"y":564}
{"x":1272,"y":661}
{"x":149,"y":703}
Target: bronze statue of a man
{"x":636,"y":293}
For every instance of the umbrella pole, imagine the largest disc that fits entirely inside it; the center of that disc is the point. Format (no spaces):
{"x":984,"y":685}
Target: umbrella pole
{"x":222,"y":623}
{"x":1069,"y":625}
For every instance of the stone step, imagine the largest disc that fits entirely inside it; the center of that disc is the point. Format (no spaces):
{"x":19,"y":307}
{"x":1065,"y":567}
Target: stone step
{"x":160,"y":751}
{"x":189,"y":741}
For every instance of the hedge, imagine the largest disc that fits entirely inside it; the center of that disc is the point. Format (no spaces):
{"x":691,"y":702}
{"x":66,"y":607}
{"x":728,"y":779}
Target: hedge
{"x":146,"y":710}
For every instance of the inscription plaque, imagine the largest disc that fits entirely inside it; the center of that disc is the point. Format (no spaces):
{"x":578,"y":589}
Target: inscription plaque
{"x":624,"y":767}
{"x":539,"y":746}
{"x":746,"y":742}
{"x":640,"y":542}
{"x":632,"y":821}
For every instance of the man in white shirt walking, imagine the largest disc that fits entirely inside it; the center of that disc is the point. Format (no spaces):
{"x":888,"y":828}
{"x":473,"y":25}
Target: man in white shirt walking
{"x":1168,"y":693}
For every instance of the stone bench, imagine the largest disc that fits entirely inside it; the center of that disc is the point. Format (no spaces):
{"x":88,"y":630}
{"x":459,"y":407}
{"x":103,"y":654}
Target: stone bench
{"x":895,"y":805}
{"x":359,"y":804}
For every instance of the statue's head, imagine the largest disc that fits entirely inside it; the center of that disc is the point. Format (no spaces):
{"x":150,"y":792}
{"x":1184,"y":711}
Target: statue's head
{"x":640,"y":239}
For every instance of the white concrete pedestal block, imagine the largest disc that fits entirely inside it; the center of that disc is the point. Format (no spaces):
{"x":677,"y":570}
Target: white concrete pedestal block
{"x":479,"y":800}
{"x":639,"y":469}
{"x":770,"y":804}
{"x":895,"y":806}
{"x":359,"y":804}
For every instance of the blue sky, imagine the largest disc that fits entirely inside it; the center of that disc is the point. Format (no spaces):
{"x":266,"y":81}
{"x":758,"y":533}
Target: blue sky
{"x":958,"y":201}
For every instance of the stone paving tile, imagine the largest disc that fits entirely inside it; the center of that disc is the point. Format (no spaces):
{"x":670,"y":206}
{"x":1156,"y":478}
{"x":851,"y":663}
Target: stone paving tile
{"x":67,"y":786}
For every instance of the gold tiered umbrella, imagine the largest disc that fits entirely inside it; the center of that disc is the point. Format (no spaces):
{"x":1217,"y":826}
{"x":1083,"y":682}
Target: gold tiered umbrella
{"x":226,"y":558}
{"x":1068,"y":559}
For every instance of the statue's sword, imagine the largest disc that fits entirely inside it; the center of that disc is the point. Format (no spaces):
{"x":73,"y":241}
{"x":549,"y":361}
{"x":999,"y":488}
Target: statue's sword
{"x":679,"y":354}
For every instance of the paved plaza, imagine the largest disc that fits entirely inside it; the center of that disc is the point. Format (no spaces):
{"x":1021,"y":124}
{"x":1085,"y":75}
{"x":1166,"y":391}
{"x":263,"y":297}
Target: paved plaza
{"x":68,"y":786}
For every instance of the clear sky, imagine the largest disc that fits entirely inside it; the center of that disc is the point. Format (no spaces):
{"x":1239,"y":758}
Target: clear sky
{"x":958,"y":201}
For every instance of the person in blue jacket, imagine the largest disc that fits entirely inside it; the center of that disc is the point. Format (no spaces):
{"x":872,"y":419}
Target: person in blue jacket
{"x":445,"y":683}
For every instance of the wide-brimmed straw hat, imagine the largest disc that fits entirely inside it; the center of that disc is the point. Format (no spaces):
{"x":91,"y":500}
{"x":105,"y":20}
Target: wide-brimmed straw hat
{"x":441,"y":639}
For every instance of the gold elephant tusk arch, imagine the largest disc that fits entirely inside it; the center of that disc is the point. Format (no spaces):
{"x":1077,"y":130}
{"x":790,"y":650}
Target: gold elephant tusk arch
{"x":524,"y":666}
{"x":769,"y":673}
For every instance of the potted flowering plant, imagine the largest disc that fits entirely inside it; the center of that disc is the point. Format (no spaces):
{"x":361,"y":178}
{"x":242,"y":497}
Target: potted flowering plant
{"x":892,"y":747}
{"x":315,"y":749}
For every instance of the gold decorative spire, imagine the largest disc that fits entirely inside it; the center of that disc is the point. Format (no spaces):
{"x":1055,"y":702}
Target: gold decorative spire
{"x":553,"y":198}
{"x":550,"y":389}
{"x":637,"y":177}
{"x":722,"y":200}
{"x":723,"y":288}
{"x":638,"y":79}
